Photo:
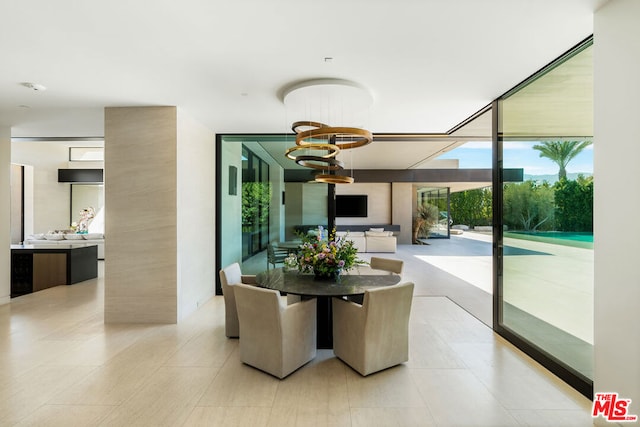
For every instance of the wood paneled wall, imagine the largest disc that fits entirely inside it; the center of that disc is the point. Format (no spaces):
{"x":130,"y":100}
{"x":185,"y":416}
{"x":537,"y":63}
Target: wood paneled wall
{"x":141,"y":215}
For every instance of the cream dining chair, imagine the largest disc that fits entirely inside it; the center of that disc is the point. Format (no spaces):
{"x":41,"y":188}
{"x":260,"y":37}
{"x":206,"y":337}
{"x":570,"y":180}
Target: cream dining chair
{"x":375,"y":335}
{"x":229,"y":277}
{"x":275,"y":337}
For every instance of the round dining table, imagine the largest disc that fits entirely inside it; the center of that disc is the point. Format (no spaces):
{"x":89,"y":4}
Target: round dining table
{"x":355,"y":282}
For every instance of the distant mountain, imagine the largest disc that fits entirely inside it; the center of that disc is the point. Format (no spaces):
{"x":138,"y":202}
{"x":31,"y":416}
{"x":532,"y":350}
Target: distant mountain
{"x":551,"y":179}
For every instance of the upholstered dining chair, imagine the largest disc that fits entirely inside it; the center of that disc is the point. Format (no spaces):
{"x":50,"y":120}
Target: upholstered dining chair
{"x":387,"y":264}
{"x":375,"y":335}
{"x":275,"y":337}
{"x":229,"y":277}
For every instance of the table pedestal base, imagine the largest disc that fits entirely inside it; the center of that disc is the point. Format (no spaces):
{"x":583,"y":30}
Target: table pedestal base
{"x":325,"y":323}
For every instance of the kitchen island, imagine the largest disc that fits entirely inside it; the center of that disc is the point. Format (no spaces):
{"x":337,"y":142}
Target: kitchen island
{"x":38,"y":267}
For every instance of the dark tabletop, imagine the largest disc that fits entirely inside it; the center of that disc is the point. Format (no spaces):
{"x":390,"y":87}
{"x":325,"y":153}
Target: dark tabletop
{"x":355,"y":282}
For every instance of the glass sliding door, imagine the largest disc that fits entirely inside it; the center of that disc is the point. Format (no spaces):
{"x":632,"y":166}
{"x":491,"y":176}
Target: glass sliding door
{"x":438,"y":197}
{"x":256,"y":199}
{"x":262,"y":198}
{"x":544,"y":275}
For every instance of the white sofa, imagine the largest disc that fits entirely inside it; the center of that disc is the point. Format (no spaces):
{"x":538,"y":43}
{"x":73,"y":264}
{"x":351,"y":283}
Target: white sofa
{"x":67,"y":239}
{"x":371,"y":240}
{"x":380,"y":241}
{"x":357,"y":237}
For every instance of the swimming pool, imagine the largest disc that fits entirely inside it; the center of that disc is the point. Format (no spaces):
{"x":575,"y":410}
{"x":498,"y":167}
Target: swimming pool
{"x":567,"y":238}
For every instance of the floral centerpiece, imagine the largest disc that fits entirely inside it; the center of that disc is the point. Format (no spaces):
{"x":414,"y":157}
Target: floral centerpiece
{"x":326,"y":257}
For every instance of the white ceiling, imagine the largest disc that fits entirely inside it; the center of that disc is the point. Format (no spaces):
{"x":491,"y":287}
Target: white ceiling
{"x":429,"y":64}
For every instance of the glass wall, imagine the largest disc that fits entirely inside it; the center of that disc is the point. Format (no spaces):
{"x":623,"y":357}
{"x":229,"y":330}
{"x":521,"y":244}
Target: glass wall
{"x":262,"y":199}
{"x":256,"y":200}
{"x":545,"y":243}
{"x":438,"y":197}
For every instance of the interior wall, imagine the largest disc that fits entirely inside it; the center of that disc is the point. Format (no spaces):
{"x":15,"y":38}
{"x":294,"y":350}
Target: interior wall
{"x":49,"y":199}
{"x":616,"y":235}
{"x":292,"y":208}
{"x":5,"y":215}
{"x":276,"y":208}
{"x":29,"y":207}
{"x":401,"y":211}
{"x":231,"y":205}
{"x":314,"y":204}
{"x":379,"y":203}
{"x":196,"y":214}
{"x":141,"y":216}
{"x":16,"y":204}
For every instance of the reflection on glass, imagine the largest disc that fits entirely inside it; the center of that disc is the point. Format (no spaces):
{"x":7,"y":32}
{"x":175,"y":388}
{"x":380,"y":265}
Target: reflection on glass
{"x":267,"y":208}
{"x":433,"y":206}
{"x":547,"y":269}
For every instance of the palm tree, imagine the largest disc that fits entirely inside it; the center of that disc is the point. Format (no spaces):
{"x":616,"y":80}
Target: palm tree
{"x":561,"y":152}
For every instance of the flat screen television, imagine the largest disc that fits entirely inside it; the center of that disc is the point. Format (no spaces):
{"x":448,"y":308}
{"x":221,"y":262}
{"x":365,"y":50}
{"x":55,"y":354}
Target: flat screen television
{"x":349,"y":205}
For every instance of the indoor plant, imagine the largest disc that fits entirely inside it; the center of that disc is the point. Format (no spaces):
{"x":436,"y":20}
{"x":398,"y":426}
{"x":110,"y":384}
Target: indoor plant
{"x":326,"y":258}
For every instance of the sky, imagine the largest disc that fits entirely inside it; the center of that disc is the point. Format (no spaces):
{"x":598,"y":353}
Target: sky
{"x":518,"y":154}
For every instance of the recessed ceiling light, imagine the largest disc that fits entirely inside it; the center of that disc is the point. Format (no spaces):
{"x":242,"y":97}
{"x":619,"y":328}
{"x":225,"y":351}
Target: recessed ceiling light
{"x":34,"y":86}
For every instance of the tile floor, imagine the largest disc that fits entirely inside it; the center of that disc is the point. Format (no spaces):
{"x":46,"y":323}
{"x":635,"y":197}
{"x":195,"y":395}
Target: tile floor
{"x":60,"y":365}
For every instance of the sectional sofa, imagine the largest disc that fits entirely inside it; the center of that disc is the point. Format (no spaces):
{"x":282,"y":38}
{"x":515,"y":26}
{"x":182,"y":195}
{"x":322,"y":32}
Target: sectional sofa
{"x":375,"y":239}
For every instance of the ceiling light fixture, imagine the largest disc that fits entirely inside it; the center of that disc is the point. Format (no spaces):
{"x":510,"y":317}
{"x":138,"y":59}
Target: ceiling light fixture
{"x":34,"y":86}
{"x":332,"y":97}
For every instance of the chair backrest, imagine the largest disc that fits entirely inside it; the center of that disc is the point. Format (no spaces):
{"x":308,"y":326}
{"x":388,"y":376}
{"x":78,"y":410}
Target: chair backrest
{"x":257,"y":307}
{"x":387,"y":264}
{"x":230,"y":275}
{"x":270,"y":251}
{"x":387,"y":309}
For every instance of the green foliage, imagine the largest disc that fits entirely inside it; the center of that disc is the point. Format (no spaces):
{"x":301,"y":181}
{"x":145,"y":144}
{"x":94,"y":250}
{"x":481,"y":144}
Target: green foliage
{"x":426,"y":217}
{"x":256,"y":198}
{"x":561,"y":152}
{"x":472,"y":207}
{"x":574,"y":204}
{"x":528,"y":206}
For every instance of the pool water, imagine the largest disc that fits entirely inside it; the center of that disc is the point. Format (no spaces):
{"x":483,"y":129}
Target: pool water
{"x":577,"y":239}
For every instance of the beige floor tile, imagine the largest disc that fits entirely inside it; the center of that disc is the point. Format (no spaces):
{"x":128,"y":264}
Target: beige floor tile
{"x":240,"y":385}
{"x":112,"y":384}
{"x":385,"y":417}
{"x":321,"y":384}
{"x":528,"y":390}
{"x":428,"y":350}
{"x":22,"y":395}
{"x":207,"y":416}
{"x":552,"y":418}
{"x":98,"y":351}
{"x":391,"y":388}
{"x":455,"y":397}
{"x":205,"y":349}
{"x":302,"y":417}
{"x":167,"y":399}
{"x":66,"y":416}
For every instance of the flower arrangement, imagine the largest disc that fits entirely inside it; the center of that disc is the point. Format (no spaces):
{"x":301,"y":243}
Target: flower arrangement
{"x":326,"y":257}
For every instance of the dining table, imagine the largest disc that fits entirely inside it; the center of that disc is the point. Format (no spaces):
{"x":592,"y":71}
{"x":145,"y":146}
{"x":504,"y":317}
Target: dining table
{"x":348,"y":284}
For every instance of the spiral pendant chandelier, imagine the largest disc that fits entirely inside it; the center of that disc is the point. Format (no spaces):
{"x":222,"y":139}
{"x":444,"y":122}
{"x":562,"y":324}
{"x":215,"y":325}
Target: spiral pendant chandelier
{"x":322,"y":137}
{"x":318,"y":144}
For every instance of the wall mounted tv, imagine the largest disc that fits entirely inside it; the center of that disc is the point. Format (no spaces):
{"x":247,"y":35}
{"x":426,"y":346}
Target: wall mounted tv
{"x":349,"y":205}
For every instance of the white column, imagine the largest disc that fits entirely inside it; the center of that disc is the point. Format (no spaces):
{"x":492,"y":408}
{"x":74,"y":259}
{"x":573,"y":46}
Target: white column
{"x":617,"y":200}
{"x":5,"y":214}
